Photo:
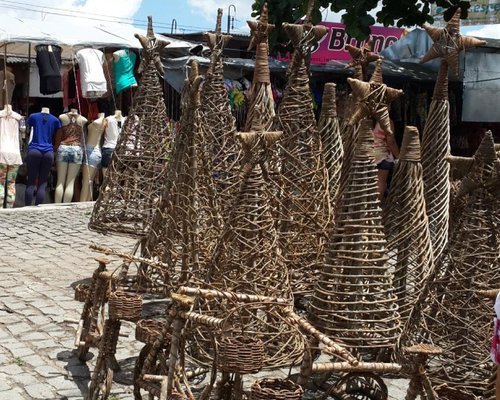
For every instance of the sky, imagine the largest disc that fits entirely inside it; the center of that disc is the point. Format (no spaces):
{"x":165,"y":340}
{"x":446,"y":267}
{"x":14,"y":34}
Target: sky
{"x":190,"y":15}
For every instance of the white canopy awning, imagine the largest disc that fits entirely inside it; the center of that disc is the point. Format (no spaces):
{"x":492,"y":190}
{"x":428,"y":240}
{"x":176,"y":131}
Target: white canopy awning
{"x":72,"y":34}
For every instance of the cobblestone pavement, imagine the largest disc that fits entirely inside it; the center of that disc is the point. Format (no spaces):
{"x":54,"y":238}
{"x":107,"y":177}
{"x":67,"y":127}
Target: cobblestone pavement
{"x":44,"y":252}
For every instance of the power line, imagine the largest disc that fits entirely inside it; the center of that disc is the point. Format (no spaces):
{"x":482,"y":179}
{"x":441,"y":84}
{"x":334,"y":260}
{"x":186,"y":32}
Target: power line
{"x":92,"y":16}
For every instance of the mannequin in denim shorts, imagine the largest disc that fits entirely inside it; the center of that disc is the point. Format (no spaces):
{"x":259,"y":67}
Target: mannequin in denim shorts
{"x":93,"y":156}
{"x":69,"y":154}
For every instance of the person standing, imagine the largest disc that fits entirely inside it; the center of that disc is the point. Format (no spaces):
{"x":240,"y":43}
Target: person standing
{"x":386,"y":152}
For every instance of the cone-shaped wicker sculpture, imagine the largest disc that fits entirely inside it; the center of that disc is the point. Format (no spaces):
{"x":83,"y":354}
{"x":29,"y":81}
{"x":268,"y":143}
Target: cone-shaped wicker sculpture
{"x":448,"y":43}
{"x":247,"y":258}
{"x":186,"y":224}
{"x":133,"y":182}
{"x":353,"y":300}
{"x":435,"y":150}
{"x":329,"y":130}
{"x":261,"y":97}
{"x":458,"y":318}
{"x":304,"y":214}
{"x":407,"y":228}
{"x":217,"y":123}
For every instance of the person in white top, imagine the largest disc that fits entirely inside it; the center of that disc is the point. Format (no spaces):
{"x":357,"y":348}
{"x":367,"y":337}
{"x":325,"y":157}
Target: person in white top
{"x":114,"y":125}
{"x":10,"y":155}
{"x":92,"y":79}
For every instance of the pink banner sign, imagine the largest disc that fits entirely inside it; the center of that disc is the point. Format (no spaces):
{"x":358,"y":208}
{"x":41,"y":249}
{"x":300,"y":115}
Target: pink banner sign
{"x":332,"y":46}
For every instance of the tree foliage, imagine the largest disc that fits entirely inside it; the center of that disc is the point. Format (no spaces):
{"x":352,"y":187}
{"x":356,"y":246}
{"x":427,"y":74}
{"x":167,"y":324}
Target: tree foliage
{"x":356,"y":15}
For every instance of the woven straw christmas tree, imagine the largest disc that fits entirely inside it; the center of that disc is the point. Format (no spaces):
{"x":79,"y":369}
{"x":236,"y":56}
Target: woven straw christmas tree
{"x":186,"y":223}
{"x":304,"y":214}
{"x":329,"y":130}
{"x":247,"y":258}
{"x":406,"y":226}
{"x":458,"y":318}
{"x":261,"y":97}
{"x":217,"y":123}
{"x":133,"y":182}
{"x":354,"y":301}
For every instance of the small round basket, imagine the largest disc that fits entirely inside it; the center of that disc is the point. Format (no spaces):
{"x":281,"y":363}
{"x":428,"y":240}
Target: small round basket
{"x":240,"y":354}
{"x":125,"y":306}
{"x":147,"y":330}
{"x":275,"y":389}
{"x":82,"y":292}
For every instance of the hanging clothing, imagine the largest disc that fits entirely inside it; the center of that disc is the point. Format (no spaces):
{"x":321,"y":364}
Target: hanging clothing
{"x":112,"y":132}
{"x":123,"y":70}
{"x":43,"y":127}
{"x":93,"y":81}
{"x":48,"y":60}
{"x":8,"y":175}
{"x":10,"y":153}
{"x":382,"y":152}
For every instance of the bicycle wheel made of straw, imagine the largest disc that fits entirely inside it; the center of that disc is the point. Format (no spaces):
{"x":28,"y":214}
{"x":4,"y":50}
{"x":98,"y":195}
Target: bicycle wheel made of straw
{"x":275,"y":389}
{"x":82,"y":292}
{"x":147,"y":330}
{"x":240,"y":354}
{"x":361,"y":386}
{"x":125,"y":306}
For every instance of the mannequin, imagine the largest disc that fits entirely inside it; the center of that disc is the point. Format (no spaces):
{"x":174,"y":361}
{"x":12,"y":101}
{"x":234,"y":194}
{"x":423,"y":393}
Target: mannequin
{"x":10,"y":155}
{"x":93,"y":156}
{"x":69,"y":154}
{"x":40,"y":157}
{"x":114,"y":125}
{"x":6,"y":92}
{"x":123,"y":69}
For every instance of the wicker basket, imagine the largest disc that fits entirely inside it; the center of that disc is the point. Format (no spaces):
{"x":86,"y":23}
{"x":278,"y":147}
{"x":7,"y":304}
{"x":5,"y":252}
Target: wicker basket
{"x":240,"y":354}
{"x":125,"y":306}
{"x":275,"y":389}
{"x":147,"y":330}
{"x":82,"y":292}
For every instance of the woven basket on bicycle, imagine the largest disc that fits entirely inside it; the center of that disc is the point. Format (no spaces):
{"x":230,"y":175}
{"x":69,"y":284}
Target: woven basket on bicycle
{"x":147,"y":330}
{"x":82,"y":292}
{"x":275,"y":389}
{"x":125,"y":306}
{"x":240,"y":354}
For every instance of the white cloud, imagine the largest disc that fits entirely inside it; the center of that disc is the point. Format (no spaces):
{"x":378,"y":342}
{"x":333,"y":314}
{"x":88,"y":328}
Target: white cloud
{"x":87,"y":10}
{"x":486,"y":31}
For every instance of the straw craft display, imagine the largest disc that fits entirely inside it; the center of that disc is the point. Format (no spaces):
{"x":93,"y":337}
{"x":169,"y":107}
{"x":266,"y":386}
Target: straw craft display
{"x":304,"y":209}
{"x":448,"y":43}
{"x":240,"y":354}
{"x":261,"y":95}
{"x":406,"y":226}
{"x":275,"y":389}
{"x":247,"y":259}
{"x":353,"y":299}
{"x":361,"y":58}
{"x":218,"y":125}
{"x":132,"y":185}
{"x":458,"y":317}
{"x":186,"y":223}
{"x":373,"y":99}
{"x":435,"y":150}
{"x":329,"y":131}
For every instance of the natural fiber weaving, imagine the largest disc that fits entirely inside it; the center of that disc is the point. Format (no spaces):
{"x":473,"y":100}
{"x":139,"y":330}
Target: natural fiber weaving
{"x":304,"y":209}
{"x":186,"y":223}
{"x":133,"y":182}
{"x":407,"y":228}
{"x":435,"y":150}
{"x":329,"y":131}
{"x":218,"y":125}
{"x":448,"y":43}
{"x":458,"y":316}
{"x":247,"y":260}
{"x":361,"y":57}
{"x":353,"y":299}
{"x":275,"y":389}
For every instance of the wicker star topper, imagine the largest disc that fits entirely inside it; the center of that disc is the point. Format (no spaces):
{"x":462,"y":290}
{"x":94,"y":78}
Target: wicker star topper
{"x":361,"y":56}
{"x":373,"y":98}
{"x":217,"y":40}
{"x":448,"y":43}
{"x":152,"y":48}
{"x":260,"y":29}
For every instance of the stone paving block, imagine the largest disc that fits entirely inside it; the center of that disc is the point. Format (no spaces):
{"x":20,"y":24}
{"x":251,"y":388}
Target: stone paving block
{"x":48,"y":371}
{"x":21,"y":352}
{"x":11,"y":369}
{"x":40,"y":391}
{"x":35,"y":336}
{"x":4,"y":383}
{"x":19,"y":328}
{"x":61,"y":383}
{"x":25,"y":379}
{"x":34,"y":360}
{"x":39,"y":319}
{"x":13,"y":394}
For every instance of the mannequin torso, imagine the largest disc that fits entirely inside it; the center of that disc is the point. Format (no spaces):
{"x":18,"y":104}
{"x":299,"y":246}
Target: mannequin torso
{"x":72,"y":131}
{"x":114,"y":124}
{"x":95,"y":131}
